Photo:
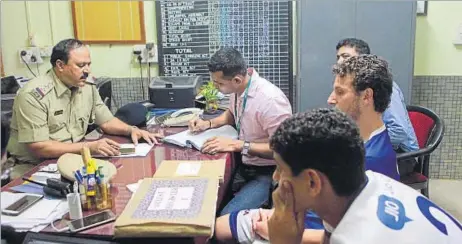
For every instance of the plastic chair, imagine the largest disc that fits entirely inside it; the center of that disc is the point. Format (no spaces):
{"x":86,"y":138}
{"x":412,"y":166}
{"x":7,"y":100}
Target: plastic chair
{"x":429,"y":129}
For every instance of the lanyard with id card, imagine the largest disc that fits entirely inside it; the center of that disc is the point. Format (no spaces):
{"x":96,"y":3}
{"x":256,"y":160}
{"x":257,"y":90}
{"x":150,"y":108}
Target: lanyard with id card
{"x":244,"y":102}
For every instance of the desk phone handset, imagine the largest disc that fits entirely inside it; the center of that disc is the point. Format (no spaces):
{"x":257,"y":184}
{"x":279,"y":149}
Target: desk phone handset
{"x":182,"y":117}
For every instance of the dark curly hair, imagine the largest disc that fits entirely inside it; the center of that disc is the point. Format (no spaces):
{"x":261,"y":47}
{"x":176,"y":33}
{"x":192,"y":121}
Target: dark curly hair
{"x":359,"y":45}
{"x":326,"y":140}
{"x":229,"y":61}
{"x":62,"y":49}
{"x":369,"y":71}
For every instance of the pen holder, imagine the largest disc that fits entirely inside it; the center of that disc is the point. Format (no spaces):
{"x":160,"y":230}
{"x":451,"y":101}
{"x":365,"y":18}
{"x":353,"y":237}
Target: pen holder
{"x":100,"y":200}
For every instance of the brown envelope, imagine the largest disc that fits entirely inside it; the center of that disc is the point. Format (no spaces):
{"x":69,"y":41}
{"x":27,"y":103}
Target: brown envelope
{"x":191,"y":168}
{"x":170,"y":207}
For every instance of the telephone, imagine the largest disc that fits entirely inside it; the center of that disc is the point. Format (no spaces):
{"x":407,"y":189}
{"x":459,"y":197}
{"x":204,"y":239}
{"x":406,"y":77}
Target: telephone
{"x":182,"y":117}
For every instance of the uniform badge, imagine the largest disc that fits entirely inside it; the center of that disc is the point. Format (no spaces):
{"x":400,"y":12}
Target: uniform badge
{"x":58,"y":112}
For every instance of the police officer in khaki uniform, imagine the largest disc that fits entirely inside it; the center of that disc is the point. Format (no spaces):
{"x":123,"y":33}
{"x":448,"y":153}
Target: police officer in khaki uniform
{"x":51,"y":113}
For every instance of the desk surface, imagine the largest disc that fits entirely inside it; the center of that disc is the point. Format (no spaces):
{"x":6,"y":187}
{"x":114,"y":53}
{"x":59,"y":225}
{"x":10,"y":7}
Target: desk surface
{"x":130,"y":170}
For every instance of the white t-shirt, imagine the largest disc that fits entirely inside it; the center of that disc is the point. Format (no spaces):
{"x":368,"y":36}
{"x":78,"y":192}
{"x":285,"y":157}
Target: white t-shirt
{"x":387,"y":211}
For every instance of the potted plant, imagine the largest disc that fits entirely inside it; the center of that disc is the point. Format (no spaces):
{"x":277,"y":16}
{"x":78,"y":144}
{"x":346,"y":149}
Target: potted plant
{"x":210,"y":93}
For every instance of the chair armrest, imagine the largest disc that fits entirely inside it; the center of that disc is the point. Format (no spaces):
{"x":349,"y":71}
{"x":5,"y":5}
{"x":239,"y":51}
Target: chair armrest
{"x":413,"y":154}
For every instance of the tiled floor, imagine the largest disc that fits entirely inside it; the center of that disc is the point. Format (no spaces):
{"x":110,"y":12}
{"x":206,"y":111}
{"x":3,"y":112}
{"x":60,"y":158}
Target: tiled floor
{"x":447,"y":194}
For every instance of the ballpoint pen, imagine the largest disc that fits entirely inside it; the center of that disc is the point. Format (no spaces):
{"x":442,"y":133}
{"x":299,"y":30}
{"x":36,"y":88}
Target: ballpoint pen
{"x":33,"y":181}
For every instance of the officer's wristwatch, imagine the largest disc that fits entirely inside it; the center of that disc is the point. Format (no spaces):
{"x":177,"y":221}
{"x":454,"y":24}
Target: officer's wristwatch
{"x":246,"y":148}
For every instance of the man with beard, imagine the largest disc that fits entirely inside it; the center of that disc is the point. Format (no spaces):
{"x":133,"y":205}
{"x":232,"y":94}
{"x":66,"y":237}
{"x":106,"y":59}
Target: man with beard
{"x":257,"y":108}
{"x":395,"y":117}
{"x":362,"y":89}
{"x":51,"y":113}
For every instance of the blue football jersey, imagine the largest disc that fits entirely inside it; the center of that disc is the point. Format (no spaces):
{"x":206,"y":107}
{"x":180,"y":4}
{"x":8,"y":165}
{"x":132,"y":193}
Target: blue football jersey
{"x":380,"y":156}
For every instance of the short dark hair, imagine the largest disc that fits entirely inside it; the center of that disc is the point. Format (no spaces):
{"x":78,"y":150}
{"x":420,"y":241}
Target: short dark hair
{"x":229,"y":61}
{"x":359,"y":45}
{"x":326,"y":140}
{"x":62,"y":49}
{"x":369,"y":71}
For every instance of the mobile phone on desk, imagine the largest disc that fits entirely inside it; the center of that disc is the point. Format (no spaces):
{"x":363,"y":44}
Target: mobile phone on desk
{"x":22,"y":204}
{"x":91,"y":221}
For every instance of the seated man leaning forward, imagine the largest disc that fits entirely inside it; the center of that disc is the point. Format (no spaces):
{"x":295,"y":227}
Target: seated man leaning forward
{"x":257,"y":108}
{"x":320,"y":167}
{"x":51,"y":113}
{"x":362,"y":89}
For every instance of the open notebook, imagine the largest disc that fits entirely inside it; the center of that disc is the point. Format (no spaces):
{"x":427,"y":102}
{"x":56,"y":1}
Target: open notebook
{"x":191,"y":140}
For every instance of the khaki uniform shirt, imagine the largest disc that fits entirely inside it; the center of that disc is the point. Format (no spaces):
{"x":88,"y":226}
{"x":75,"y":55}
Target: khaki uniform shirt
{"x":46,"y":109}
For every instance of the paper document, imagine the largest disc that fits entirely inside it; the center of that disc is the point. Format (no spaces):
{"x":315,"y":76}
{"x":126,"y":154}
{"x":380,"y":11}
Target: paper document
{"x":189,"y":139}
{"x":42,"y":176}
{"x":141,"y":150}
{"x":188,"y":168}
{"x":133,"y":187}
{"x":167,"y":198}
{"x":35,"y":218}
{"x":51,"y":168}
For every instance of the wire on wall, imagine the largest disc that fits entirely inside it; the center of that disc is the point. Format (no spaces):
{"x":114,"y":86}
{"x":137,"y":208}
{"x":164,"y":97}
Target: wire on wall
{"x":50,"y":15}
{"x":27,"y":65}
{"x":26,"y":8}
{"x":141,"y":76}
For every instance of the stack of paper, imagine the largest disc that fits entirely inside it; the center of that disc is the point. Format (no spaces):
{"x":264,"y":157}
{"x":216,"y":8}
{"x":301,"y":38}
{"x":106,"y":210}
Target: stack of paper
{"x":35,"y":218}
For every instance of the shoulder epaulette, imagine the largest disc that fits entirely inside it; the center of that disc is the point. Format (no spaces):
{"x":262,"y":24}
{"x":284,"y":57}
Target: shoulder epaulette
{"x":40,"y":91}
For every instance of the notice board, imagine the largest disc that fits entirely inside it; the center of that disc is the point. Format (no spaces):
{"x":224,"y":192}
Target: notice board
{"x":190,"y":32}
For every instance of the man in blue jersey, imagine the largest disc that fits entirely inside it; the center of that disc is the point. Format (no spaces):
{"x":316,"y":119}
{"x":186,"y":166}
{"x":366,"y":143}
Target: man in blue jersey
{"x":395,"y":117}
{"x":362,"y":89}
{"x":320,"y":167}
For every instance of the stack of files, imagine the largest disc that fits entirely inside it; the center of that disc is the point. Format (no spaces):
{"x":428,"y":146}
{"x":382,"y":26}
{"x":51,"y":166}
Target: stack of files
{"x":35,"y":218}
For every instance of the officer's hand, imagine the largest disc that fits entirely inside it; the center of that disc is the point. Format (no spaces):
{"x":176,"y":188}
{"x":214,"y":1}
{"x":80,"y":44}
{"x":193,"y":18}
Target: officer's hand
{"x":146,"y":135}
{"x":198,"y":125}
{"x":105,"y":147}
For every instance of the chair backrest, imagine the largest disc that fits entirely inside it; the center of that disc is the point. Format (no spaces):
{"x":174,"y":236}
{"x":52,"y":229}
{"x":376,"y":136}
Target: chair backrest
{"x":105,"y":91}
{"x":428,"y":126}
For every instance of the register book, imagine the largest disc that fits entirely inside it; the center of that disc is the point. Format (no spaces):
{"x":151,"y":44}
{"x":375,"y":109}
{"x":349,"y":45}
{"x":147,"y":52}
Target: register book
{"x":197,"y":140}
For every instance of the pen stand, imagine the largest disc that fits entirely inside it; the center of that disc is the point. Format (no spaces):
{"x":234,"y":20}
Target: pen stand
{"x":97,"y":197}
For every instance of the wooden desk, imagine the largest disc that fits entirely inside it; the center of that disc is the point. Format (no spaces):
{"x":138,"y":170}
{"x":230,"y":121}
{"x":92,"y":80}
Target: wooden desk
{"x":130,"y":170}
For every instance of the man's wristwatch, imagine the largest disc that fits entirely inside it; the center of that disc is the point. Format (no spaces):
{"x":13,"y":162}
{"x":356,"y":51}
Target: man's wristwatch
{"x":246,"y":148}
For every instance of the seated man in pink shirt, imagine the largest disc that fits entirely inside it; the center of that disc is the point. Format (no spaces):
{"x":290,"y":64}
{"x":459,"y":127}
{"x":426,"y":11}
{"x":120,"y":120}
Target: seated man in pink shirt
{"x":257,"y":108}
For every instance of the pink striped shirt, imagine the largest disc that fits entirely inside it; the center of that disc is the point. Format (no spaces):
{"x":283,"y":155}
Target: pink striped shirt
{"x":267,"y":107}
